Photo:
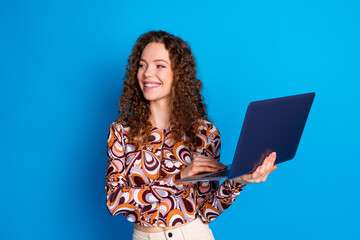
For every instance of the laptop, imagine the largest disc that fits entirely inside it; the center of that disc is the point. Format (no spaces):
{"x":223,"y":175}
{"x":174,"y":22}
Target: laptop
{"x":272,"y":125}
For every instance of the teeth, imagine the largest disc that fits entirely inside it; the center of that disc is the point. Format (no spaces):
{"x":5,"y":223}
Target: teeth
{"x":151,"y":85}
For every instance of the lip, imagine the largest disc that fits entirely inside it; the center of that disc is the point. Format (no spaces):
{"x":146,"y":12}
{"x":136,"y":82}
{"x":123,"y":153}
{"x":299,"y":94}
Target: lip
{"x":151,"y":85}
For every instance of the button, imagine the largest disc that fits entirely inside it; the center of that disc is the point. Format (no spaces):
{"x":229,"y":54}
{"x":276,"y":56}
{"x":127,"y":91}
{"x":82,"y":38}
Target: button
{"x":170,"y":234}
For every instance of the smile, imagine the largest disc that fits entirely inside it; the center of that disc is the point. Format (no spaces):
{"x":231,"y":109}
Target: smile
{"x":151,"y":85}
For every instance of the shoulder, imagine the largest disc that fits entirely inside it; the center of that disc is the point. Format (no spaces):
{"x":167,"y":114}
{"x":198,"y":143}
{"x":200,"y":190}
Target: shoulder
{"x":207,"y":131}
{"x":208,"y":139}
{"x":205,"y":127}
{"x":119,"y":127}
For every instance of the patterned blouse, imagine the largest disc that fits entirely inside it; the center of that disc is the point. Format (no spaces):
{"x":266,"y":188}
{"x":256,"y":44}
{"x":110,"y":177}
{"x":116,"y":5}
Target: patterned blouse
{"x":140,"y":178}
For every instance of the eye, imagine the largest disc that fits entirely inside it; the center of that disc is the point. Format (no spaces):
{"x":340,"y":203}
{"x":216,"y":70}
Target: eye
{"x":160,"y":66}
{"x":141,"y":65}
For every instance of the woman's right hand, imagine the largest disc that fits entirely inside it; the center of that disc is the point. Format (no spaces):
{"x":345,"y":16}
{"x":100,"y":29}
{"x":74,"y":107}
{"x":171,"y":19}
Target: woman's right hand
{"x":201,"y":164}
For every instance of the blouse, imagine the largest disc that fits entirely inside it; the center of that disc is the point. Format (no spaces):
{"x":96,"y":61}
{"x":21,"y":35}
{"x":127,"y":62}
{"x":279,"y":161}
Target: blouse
{"x":140,"y":178}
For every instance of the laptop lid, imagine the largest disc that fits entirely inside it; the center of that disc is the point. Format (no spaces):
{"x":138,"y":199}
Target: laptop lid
{"x":273,"y":125}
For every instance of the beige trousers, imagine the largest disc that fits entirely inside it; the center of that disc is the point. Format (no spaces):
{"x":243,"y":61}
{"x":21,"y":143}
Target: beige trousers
{"x":195,"y":230}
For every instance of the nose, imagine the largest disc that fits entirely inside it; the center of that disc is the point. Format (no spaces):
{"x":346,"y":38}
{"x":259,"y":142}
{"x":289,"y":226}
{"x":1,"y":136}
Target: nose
{"x":148,"y":72}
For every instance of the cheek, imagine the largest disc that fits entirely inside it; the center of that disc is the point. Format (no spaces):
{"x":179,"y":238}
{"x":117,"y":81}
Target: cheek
{"x":169,"y":78}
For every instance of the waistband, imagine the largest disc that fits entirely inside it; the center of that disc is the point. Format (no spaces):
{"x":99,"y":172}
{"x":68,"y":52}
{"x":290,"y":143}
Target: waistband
{"x":163,"y":229}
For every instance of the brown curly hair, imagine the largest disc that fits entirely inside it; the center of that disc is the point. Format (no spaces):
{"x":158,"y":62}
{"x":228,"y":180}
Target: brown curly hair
{"x":186,"y":104}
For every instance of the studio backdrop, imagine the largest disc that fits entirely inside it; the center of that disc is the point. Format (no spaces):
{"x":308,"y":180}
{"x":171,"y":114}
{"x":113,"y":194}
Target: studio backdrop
{"x":62,"y":65}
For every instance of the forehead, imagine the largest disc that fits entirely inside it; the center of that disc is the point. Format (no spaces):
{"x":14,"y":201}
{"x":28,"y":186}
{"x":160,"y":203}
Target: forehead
{"x":155,"y":51}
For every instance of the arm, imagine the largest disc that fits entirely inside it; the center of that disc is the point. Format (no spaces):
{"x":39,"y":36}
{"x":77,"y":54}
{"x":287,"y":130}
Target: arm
{"x":213,"y":199}
{"x":120,"y":196}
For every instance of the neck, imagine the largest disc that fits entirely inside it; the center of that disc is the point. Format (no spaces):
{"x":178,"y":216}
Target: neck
{"x":160,"y":114}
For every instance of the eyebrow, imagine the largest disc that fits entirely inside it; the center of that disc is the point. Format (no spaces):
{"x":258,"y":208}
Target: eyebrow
{"x":157,"y":60}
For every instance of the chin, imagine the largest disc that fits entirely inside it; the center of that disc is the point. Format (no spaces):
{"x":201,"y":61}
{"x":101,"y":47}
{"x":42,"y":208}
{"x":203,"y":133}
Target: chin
{"x":155,"y":98}
{"x":150,"y":97}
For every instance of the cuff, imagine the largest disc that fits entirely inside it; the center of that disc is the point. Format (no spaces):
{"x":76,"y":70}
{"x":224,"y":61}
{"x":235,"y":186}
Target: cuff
{"x":236,"y":185}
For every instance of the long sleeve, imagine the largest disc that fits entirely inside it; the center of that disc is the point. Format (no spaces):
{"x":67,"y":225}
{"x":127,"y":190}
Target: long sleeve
{"x":213,"y":199}
{"x":121,"y":197}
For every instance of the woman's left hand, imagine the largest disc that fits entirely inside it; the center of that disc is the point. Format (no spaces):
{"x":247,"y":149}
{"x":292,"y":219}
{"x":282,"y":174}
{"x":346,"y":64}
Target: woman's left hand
{"x":261,"y":173}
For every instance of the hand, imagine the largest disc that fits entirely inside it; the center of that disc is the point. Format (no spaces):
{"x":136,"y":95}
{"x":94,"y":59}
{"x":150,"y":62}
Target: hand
{"x":261,"y":173}
{"x":201,"y":164}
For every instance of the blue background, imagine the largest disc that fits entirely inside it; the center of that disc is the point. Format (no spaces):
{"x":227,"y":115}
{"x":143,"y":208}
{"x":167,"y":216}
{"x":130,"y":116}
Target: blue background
{"x":61,"y":70}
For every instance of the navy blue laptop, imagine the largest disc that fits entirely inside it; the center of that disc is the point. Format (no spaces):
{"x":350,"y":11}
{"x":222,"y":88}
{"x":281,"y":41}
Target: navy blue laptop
{"x":272,"y":125}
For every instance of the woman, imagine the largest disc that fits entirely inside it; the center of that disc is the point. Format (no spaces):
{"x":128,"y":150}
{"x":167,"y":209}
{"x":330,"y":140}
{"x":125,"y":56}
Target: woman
{"x":162,"y":135}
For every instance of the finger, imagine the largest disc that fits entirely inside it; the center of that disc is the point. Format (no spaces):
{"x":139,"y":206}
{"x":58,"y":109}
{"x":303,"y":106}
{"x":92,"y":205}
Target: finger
{"x":257,"y":180}
{"x":273,"y":157}
{"x":255,"y":177}
{"x":270,"y":158}
{"x":268,"y":162}
{"x":252,"y":177}
{"x":204,"y":169}
{"x":204,"y":159}
{"x":207,"y":164}
{"x":274,"y":167}
{"x":263,"y":179}
{"x":262,"y":167}
{"x":263,"y":173}
{"x":269,"y":167}
{"x":265,"y":164}
{"x":256,"y":173}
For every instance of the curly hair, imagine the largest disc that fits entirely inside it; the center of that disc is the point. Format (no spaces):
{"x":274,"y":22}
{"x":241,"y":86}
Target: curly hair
{"x":186,"y":103}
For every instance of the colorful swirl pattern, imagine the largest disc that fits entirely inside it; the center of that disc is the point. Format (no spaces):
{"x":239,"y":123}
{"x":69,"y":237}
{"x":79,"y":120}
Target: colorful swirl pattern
{"x":140,"y":178}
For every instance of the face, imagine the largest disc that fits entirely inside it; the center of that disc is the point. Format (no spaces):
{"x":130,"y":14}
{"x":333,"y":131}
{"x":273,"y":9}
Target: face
{"x":155,"y":75}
